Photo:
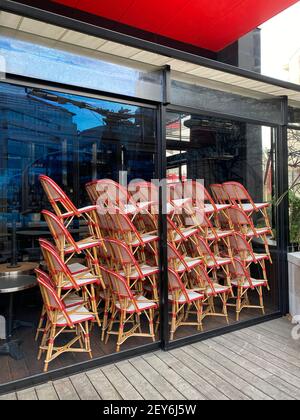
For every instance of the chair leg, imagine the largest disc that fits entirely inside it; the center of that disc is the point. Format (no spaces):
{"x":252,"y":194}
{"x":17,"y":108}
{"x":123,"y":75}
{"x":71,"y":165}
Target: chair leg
{"x":199,"y":308}
{"x":151,"y":324}
{"x":261,"y":299}
{"x":110,"y":326}
{"x":94,"y":305}
{"x":238,"y":303}
{"x":50,"y":347}
{"x":87,"y":339}
{"x":225,"y":311}
{"x":121,"y":330}
{"x":105,"y":318}
{"x":44,"y":339}
{"x":173,"y":323}
{"x":40,"y":325}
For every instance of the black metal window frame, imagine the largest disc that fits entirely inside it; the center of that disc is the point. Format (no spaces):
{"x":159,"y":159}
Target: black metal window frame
{"x":282,"y":214}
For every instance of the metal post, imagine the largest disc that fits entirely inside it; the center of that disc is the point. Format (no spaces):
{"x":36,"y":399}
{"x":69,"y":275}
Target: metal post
{"x":282,"y":219}
{"x":162,"y":169}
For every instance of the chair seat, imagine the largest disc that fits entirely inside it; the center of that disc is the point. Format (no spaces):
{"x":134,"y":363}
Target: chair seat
{"x":185,"y":233}
{"x":181,"y":202}
{"x":259,"y":232}
{"x":146,"y":270}
{"x":77,"y":315}
{"x":146,"y":239}
{"x":77,"y":268}
{"x":84,"y":244}
{"x":143,"y":304}
{"x":73,"y":300}
{"x":218,"y":289}
{"x":82,"y":280}
{"x":81,"y":211}
{"x":209,"y":208}
{"x":219,"y":234}
{"x":249,"y":208}
{"x":193,"y":296}
{"x":258,"y":257}
{"x":246,"y":283}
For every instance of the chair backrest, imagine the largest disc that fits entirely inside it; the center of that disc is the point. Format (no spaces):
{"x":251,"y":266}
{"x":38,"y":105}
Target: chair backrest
{"x":202,"y":278}
{"x":240,"y":220}
{"x":238,"y":271}
{"x":57,"y":268}
{"x":237,"y":192}
{"x":108,"y":193}
{"x":58,"y":199}
{"x":240,"y":246}
{"x":176,"y":286}
{"x":120,"y":289}
{"x":53,"y":304}
{"x":122,"y":256}
{"x":219,"y":194}
{"x":59,"y":232}
{"x":144,"y":191}
{"x":172,"y":228}
{"x":175,"y":258}
{"x":204,"y":250}
{"x":125,"y":228}
{"x":198,"y":193}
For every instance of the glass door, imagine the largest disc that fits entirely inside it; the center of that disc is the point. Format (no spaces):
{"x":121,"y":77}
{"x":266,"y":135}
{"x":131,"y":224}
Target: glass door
{"x":222,"y":243}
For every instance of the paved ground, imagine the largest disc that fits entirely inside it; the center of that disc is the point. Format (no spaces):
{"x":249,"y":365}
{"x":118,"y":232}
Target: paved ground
{"x":259,"y":363}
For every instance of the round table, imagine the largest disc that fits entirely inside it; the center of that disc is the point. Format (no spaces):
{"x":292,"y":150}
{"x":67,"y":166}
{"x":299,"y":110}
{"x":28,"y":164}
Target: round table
{"x":10,"y":285}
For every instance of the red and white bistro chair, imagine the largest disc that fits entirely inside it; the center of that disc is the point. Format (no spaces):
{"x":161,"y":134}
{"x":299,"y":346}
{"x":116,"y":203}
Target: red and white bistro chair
{"x":182,"y":264}
{"x":219,"y":194}
{"x":241,"y":279}
{"x":125,"y":230}
{"x":65,"y":209}
{"x":107,"y":193}
{"x":215,"y":264}
{"x":66,"y":282}
{"x":203,"y":201}
{"x":61,"y":320}
{"x":182,"y":300}
{"x":70,"y":300}
{"x":179,"y":235}
{"x":126,"y":265}
{"x":127,"y":308}
{"x":212,"y":291}
{"x":241,"y":198}
{"x":68,"y":247}
{"x":242,"y":223}
{"x":244,"y":251}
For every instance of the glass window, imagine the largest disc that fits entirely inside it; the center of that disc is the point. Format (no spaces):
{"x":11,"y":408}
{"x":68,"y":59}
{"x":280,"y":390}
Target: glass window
{"x":61,"y":63}
{"x":73,"y":140}
{"x":214,"y":152}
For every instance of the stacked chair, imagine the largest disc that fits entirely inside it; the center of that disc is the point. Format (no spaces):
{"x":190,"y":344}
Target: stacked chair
{"x":109,"y":275}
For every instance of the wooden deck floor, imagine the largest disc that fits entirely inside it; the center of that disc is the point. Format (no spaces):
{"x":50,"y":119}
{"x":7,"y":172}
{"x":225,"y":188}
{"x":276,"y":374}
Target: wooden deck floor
{"x":258,"y":363}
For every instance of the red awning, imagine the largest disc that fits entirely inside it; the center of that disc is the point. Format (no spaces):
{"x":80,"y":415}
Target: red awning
{"x":210,"y":24}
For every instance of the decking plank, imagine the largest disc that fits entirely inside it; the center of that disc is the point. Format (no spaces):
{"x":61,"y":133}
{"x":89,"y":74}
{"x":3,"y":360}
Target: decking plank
{"x":230,"y":372}
{"x":186,"y":354}
{"x":275,"y":356}
{"x":147,"y":391}
{"x":264,"y":380}
{"x":121,"y":384}
{"x":27,"y":395}
{"x":188,"y":391}
{"x":46,"y":392}
{"x":165,"y":388}
{"x":84,"y":388}
{"x":269,"y":363}
{"x":208,"y":391}
{"x":103,"y":387}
